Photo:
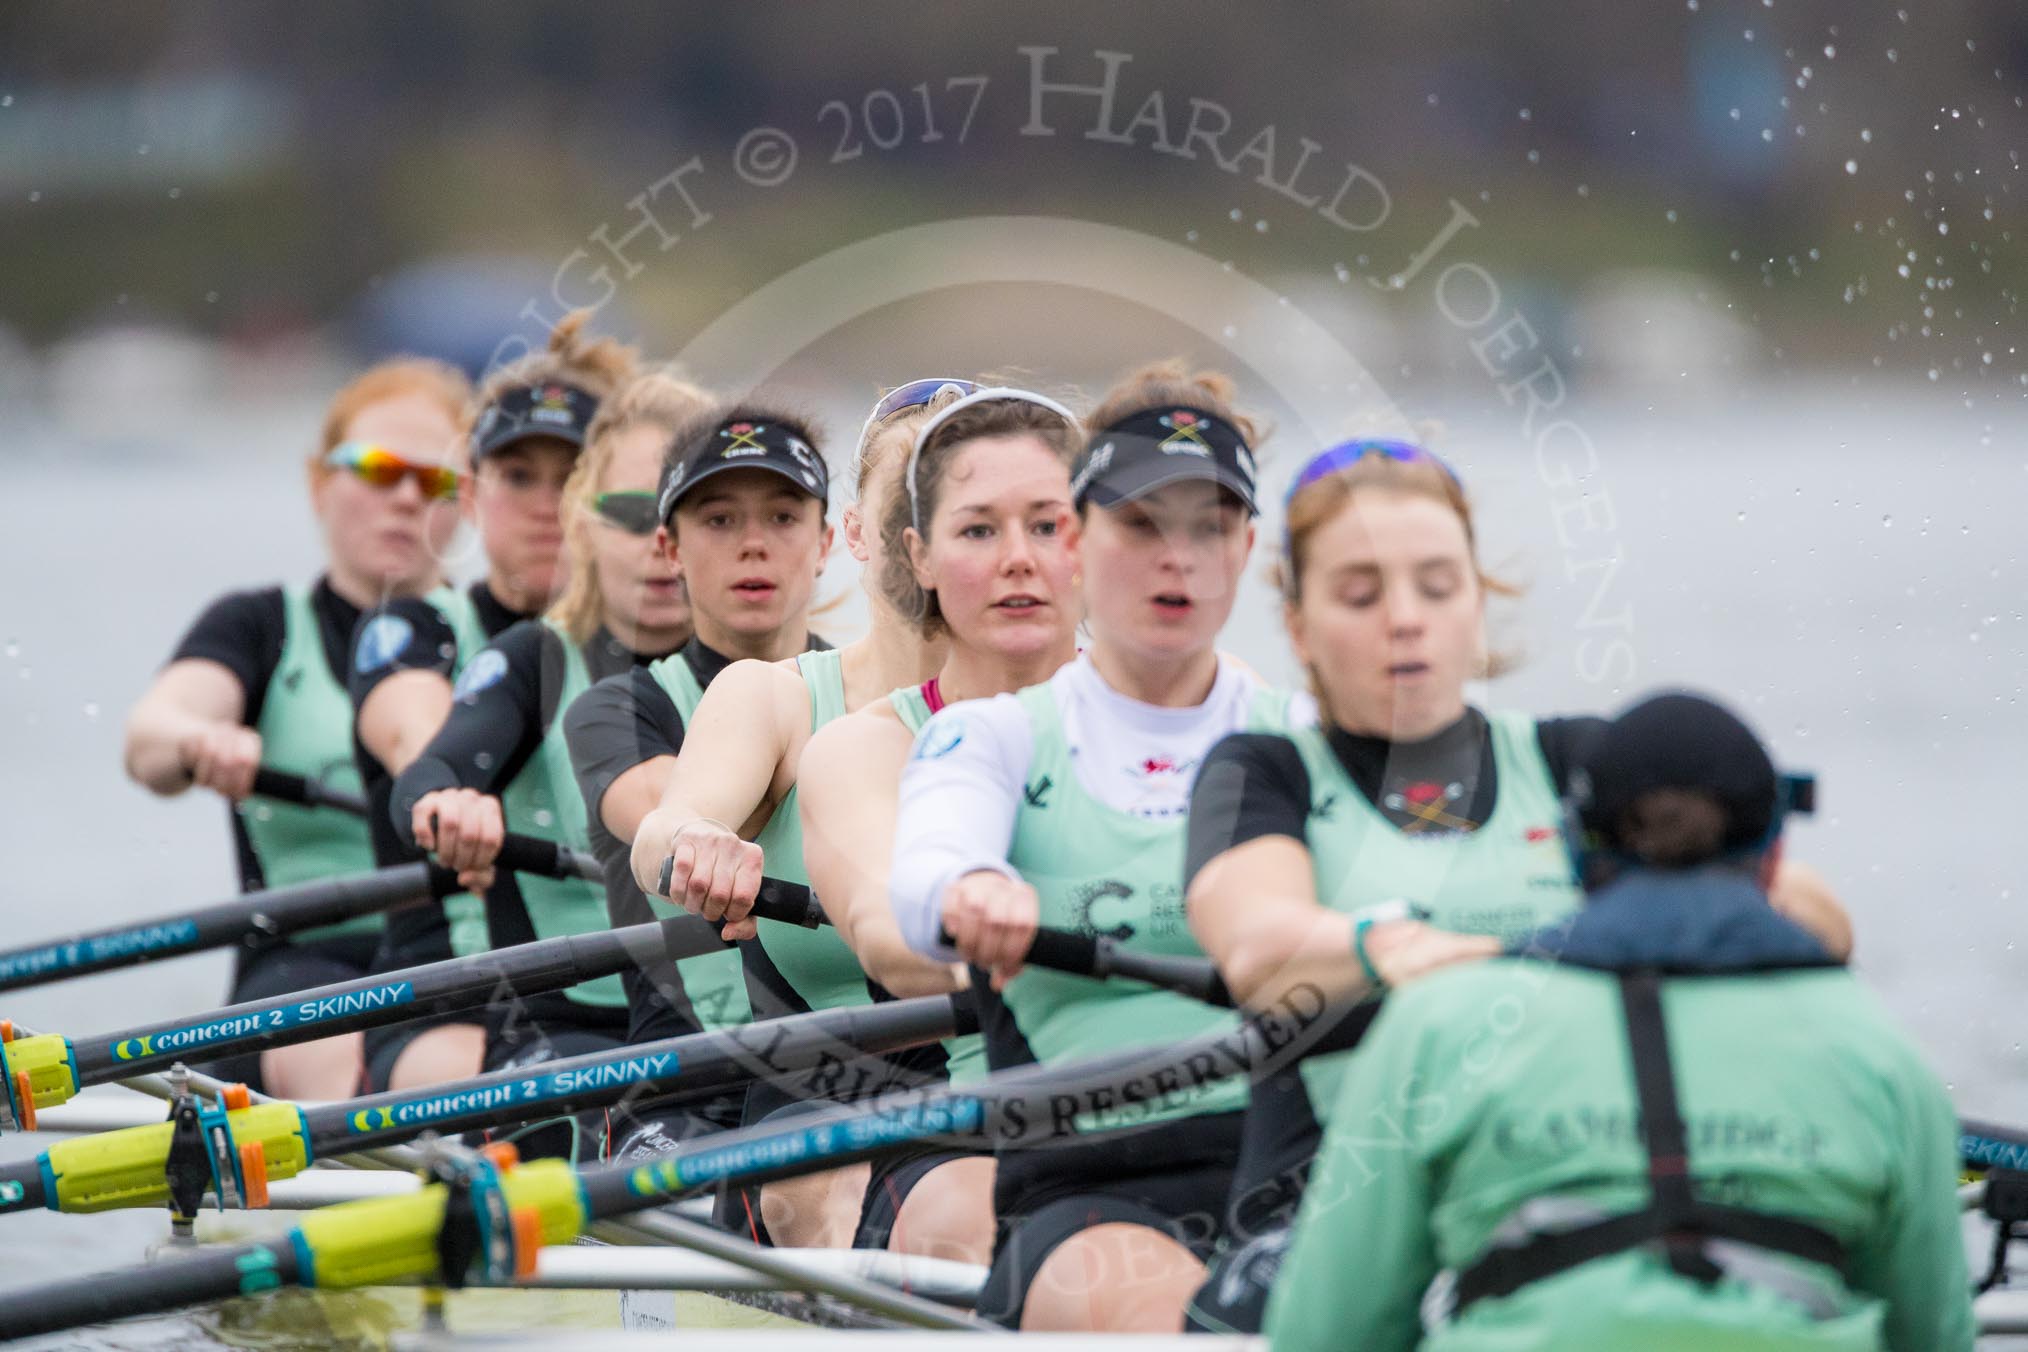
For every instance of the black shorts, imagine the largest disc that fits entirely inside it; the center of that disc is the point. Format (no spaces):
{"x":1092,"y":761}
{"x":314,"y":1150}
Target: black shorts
{"x":581,"y":1138}
{"x":277,"y":969}
{"x":893,"y":1177}
{"x":649,"y":1130}
{"x":1182,"y":1204}
{"x":1278,"y":1140}
{"x":1241,"y":1275}
{"x":385,"y":1045}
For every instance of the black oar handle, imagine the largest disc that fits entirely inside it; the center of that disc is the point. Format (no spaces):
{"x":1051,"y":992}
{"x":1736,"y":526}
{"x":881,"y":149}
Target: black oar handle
{"x":284,"y":787}
{"x":532,"y":854}
{"x":785,"y":902}
{"x":1101,"y":956}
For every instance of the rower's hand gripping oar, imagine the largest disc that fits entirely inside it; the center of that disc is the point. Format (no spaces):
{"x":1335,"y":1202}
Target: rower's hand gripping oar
{"x":57,"y":1068}
{"x":1095,"y":956}
{"x":283,"y":787}
{"x":1101,"y":956}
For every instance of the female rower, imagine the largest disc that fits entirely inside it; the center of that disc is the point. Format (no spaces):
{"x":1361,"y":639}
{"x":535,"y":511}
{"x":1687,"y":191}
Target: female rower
{"x":741,"y":511}
{"x":1696,"y":1129}
{"x":1063,"y":805}
{"x":1307,"y":847}
{"x":929,"y":1202}
{"x":259,"y":679}
{"x":528,"y":425}
{"x":500,"y":763}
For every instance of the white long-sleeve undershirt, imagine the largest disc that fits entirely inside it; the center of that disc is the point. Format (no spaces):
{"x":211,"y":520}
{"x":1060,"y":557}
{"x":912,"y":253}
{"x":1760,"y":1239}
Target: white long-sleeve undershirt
{"x":970,"y":766}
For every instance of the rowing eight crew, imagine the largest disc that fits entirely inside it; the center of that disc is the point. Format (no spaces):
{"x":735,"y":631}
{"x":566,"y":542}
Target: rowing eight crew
{"x":988,"y":525}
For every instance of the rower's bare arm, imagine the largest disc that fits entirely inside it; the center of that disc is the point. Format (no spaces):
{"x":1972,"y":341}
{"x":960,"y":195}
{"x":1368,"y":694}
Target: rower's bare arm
{"x":737,"y":761}
{"x":402,"y":714}
{"x":186,"y":729}
{"x":629,"y":799}
{"x":1805,"y":896}
{"x":1254,"y":910}
{"x":846,"y":786}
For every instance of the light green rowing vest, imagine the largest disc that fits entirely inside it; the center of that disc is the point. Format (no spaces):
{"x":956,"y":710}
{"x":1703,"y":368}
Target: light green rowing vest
{"x":964,"y":1057}
{"x":465,"y":913}
{"x":818,"y":965}
{"x":1508,"y":878}
{"x":542,"y":800}
{"x":306,"y":729}
{"x":1098,"y":870}
{"x":714,"y":983}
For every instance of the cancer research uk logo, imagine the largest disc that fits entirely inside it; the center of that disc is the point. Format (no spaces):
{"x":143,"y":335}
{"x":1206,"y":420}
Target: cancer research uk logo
{"x":939,"y":737}
{"x":486,"y":670}
{"x":384,"y":638}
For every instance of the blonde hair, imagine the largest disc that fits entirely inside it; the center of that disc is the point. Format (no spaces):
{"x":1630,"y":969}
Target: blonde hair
{"x":658,"y":398}
{"x":392,"y":379}
{"x":991,"y":418}
{"x":892,"y":438}
{"x":598,"y":366}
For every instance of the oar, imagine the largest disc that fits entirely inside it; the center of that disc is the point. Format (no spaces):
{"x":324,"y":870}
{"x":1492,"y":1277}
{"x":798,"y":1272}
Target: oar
{"x":1102,"y":957}
{"x":232,"y":1151}
{"x":45,"y":1069}
{"x":257,"y":917}
{"x":284,"y":787}
{"x":1986,"y":1145}
{"x":485,"y":1223}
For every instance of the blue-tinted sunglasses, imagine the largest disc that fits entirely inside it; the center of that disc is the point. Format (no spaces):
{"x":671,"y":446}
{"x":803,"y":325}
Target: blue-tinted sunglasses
{"x":900,"y":399}
{"x":914,"y":394}
{"x":1349,"y":453}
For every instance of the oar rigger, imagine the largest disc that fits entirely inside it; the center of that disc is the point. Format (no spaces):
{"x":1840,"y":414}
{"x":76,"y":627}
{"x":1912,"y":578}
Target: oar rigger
{"x":231,"y":1150}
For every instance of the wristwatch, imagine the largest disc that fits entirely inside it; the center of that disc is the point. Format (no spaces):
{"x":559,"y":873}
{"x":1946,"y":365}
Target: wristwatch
{"x":1382,"y":912}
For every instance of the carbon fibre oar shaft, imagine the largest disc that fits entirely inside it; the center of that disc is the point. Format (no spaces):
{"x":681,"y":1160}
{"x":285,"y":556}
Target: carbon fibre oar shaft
{"x":502,"y":1215}
{"x":258,"y":917}
{"x":47,"y":1069}
{"x":263,"y":1141}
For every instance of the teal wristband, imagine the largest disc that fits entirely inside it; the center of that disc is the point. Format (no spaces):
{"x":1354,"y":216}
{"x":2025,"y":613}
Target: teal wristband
{"x":1359,"y":928}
